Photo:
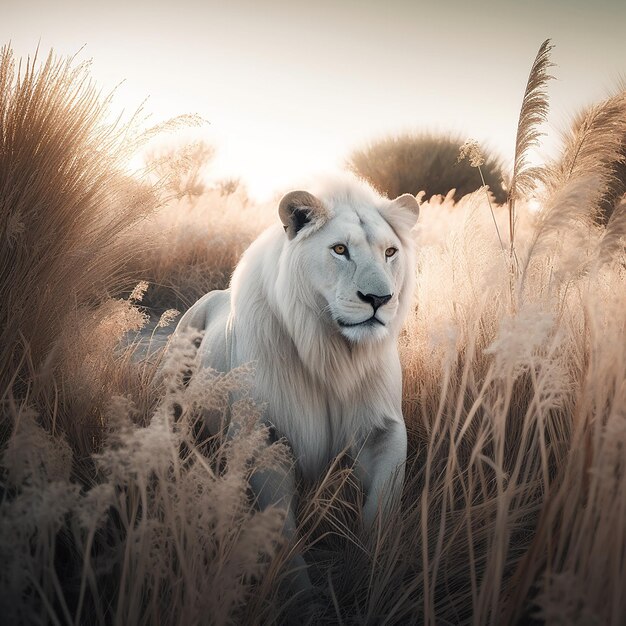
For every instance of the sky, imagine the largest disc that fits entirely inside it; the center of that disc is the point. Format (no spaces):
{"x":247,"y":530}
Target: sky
{"x":289,"y":89}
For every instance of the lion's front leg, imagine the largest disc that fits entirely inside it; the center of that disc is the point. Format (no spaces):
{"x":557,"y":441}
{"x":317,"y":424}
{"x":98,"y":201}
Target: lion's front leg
{"x":380,"y":467}
{"x":276,"y":486}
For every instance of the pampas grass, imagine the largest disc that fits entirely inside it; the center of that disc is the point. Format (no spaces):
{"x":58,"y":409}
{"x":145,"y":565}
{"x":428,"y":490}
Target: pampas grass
{"x":501,"y":397}
{"x":117,"y":507}
{"x":596,"y":146}
{"x":532,"y":114}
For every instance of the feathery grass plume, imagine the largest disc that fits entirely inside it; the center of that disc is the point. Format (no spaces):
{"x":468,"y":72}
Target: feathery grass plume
{"x":580,"y":538}
{"x":533,"y":113}
{"x":561,"y":235}
{"x":471,"y":151}
{"x":423,"y":162}
{"x":596,"y":144}
{"x":65,"y":205}
{"x":36,"y":500}
{"x":137,"y":141}
{"x":138,"y":292}
{"x":167,"y":317}
{"x":228,"y":186}
{"x":180,"y":168}
{"x":566,"y":241}
{"x":91,"y":367}
{"x":613,"y":241}
{"x":32,"y":456}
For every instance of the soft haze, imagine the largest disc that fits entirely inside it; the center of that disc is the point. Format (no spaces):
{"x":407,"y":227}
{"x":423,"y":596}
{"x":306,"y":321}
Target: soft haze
{"x":290,"y":88}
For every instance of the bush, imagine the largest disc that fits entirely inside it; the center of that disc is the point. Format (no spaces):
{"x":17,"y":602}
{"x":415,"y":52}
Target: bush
{"x":425,"y":162}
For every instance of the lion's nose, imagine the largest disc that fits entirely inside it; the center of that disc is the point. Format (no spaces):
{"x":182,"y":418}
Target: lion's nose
{"x":374,"y":300}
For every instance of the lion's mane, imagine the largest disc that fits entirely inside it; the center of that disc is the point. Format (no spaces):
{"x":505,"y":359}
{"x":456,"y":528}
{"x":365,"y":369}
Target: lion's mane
{"x":321,"y":391}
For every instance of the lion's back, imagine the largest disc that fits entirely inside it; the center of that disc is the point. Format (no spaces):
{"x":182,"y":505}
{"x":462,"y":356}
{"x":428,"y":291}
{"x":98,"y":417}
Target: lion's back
{"x":210,"y":315}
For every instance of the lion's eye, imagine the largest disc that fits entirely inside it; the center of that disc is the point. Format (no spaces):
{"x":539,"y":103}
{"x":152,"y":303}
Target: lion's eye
{"x":389,"y":252}
{"x":340,"y":249}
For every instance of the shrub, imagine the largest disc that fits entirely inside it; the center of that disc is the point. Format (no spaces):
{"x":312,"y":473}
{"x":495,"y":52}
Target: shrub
{"x":423,"y":162}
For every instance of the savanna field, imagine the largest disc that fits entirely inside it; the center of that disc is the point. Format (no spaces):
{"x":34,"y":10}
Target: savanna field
{"x":117,"y":507}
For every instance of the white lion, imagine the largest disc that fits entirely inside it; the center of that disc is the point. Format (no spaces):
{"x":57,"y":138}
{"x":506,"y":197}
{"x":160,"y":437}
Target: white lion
{"x":317,"y":303}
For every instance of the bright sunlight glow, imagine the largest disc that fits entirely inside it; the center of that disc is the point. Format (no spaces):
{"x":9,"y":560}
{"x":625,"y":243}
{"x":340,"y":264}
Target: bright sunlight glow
{"x":290,"y":89}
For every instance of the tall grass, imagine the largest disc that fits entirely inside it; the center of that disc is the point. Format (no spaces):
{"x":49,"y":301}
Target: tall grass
{"x":65,"y":206}
{"x":161,"y":535}
{"x":195,"y":243}
{"x":181,"y":167}
{"x":514,"y":505}
{"x":509,"y":407}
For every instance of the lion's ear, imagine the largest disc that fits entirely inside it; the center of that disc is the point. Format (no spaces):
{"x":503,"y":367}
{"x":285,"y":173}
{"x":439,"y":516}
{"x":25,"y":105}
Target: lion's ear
{"x":298,"y":208}
{"x":403,"y":211}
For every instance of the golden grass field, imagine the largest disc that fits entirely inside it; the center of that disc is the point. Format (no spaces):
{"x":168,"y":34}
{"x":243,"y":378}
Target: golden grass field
{"x":514,"y":359}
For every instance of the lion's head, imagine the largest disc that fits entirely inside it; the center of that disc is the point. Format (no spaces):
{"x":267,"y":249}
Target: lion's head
{"x":349,"y":258}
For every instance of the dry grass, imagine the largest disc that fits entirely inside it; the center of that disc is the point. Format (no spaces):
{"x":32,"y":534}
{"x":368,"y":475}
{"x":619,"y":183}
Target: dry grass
{"x":65,"y":207}
{"x":116,"y":508}
{"x":195,"y":243}
{"x":504,"y":410}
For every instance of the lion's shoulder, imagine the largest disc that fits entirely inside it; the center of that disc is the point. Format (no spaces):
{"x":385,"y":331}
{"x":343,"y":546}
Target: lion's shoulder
{"x":200,"y":314}
{"x":209,"y":316}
